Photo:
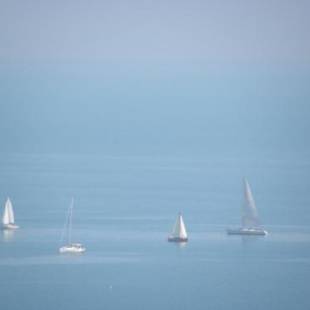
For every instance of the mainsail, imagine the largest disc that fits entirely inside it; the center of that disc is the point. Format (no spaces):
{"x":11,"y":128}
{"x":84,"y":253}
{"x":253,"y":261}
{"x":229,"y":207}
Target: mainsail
{"x":8,"y":215}
{"x":179,"y":230}
{"x":250,"y":216}
{"x":11,"y":213}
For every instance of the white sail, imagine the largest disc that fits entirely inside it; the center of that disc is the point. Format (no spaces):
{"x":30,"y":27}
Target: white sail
{"x":6,"y":215}
{"x":250,"y":216}
{"x":250,"y":222}
{"x":179,"y":230}
{"x":10,"y":211}
{"x":8,"y":220}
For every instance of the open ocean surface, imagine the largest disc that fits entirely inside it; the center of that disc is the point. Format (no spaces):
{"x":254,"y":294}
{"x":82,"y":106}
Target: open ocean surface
{"x":124,"y":209}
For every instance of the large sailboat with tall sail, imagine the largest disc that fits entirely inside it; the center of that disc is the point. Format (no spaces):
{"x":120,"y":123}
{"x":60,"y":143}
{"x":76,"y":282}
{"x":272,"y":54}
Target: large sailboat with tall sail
{"x":250,"y":221}
{"x":70,"y":247}
{"x":178,"y":233}
{"x":8,"y":220}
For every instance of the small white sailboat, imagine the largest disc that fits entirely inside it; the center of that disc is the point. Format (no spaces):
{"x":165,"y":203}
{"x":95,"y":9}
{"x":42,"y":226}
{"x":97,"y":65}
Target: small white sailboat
{"x":70,"y":247}
{"x":8,"y":220}
{"x":250,"y":220}
{"x":179,"y":233}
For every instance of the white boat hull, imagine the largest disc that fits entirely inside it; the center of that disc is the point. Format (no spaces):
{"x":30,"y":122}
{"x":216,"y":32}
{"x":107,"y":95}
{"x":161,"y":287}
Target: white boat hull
{"x":9,"y":226}
{"x":72,"y":249}
{"x":247,"y":231}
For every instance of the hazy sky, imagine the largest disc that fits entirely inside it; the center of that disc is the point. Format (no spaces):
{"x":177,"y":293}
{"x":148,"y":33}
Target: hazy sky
{"x":266,"y":31}
{"x":147,"y":76}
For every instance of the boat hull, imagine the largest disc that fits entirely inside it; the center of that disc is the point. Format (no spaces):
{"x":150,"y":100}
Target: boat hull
{"x":9,"y":226}
{"x":71,"y":250}
{"x":247,"y":231}
{"x":177,"y":239}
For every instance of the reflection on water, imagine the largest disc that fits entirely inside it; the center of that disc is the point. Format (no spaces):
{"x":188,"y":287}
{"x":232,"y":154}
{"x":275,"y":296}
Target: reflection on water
{"x":8,"y":235}
{"x":248,"y":241}
{"x":182,"y":244}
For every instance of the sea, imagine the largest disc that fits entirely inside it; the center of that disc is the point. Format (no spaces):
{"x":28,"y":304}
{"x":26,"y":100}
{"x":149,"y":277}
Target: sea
{"x":125,"y":207}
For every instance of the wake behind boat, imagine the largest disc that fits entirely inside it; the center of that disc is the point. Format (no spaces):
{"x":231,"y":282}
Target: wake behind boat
{"x":8,"y":220}
{"x":179,"y":233}
{"x":73,"y":248}
{"x":250,"y":221}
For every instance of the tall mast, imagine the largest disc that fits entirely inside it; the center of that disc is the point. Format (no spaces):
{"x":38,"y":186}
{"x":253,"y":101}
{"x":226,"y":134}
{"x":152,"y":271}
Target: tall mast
{"x":70,"y":221}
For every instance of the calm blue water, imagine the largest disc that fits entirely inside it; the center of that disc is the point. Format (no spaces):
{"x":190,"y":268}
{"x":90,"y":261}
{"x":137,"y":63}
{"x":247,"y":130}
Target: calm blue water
{"x":124,"y":209}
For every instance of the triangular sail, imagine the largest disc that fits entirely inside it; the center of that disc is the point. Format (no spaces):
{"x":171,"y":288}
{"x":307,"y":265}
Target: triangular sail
{"x":6,"y":215}
{"x":250,"y":216}
{"x":10,"y":211}
{"x":179,"y":230}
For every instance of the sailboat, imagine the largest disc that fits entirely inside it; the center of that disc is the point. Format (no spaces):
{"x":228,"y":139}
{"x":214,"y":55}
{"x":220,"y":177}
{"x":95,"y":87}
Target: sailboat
{"x":179,"y":233}
{"x":8,"y":221}
{"x":70,"y":247}
{"x":250,"y":220}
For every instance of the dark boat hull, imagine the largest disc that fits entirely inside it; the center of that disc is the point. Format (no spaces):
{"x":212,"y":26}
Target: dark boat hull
{"x":9,"y":227}
{"x":247,"y":232}
{"x":176,"y":239}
